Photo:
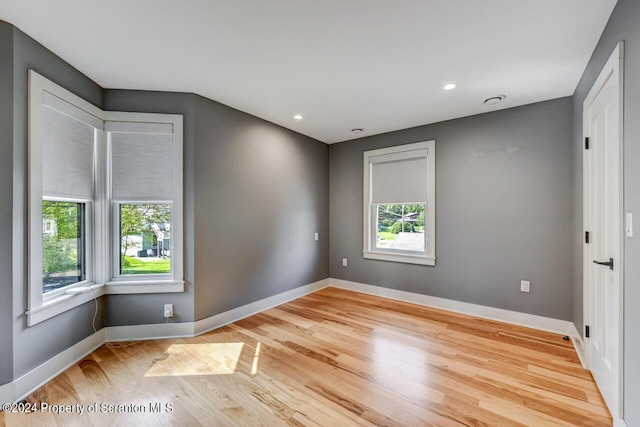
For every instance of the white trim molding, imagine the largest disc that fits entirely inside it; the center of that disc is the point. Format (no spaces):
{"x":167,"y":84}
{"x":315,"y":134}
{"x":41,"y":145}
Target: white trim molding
{"x":578,"y":344}
{"x":153,"y":331}
{"x":67,"y":301}
{"x":36,"y":378}
{"x":414,"y":151}
{"x":562,"y":327}
{"x":410,"y":259}
{"x":147,"y":287}
{"x":612,"y":73}
{"x":64,"y":302}
{"x":619,"y":422}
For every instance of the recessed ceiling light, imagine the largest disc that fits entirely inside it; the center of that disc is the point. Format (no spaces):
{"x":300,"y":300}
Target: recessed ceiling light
{"x":494,"y":99}
{"x":297,"y":117}
{"x":449,"y":86}
{"x":357,"y":130}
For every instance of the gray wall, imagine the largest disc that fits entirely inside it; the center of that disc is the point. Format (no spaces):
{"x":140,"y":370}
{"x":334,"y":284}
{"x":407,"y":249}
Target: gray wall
{"x":500,"y":217}
{"x":624,"y":25}
{"x":148,"y":308}
{"x":33,"y":346}
{"x":254,"y":195}
{"x":6,"y":208}
{"x":261,"y":191}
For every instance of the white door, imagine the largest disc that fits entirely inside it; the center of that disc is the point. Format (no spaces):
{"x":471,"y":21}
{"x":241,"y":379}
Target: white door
{"x":603,"y":222}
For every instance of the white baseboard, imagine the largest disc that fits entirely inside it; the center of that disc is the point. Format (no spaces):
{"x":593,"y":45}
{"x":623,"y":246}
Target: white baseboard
{"x":523,"y":319}
{"x":191,"y":329}
{"x":619,"y":422}
{"x":36,"y":378}
{"x":209,"y":323}
{"x":578,"y":344}
{"x":149,"y":332}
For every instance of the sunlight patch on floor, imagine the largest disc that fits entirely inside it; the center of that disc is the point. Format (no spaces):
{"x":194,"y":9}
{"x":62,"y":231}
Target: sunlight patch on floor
{"x":198,"y":359}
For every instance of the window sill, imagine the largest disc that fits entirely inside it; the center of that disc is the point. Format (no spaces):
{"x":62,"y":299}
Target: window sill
{"x":408,"y":259}
{"x":143,"y":287}
{"x":65,"y":302}
{"x":62,"y":303}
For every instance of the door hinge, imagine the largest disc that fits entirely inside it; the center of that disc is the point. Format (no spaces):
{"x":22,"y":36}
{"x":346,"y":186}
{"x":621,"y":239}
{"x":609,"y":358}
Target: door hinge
{"x":586,"y":143}
{"x":587,"y":331}
{"x":586,"y":237}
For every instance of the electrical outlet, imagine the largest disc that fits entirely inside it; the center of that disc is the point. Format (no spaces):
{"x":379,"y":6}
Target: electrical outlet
{"x":168,"y":310}
{"x":525,"y":286}
{"x":344,"y":262}
{"x":315,"y":237}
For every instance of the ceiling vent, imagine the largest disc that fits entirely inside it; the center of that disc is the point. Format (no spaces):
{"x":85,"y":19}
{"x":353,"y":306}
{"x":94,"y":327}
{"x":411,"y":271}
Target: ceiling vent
{"x":495,"y":99}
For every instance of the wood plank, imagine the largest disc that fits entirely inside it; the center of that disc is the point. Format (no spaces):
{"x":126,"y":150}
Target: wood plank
{"x":334,"y":357}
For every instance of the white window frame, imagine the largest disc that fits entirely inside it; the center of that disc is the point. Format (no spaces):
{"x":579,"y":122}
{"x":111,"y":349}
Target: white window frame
{"x":99,"y":220}
{"x":150,"y":283}
{"x":406,"y":151}
{"x":89,"y":214}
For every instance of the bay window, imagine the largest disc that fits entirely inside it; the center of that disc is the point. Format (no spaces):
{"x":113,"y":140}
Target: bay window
{"x":105,"y":201}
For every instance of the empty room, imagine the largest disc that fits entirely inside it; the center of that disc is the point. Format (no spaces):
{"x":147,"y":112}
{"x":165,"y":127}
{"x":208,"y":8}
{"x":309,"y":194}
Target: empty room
{"x":335,"y":213}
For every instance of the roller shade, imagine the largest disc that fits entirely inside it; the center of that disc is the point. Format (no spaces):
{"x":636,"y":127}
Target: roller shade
{"x":399,"y":178}
{"x":68,"y":150}
{"x":71,"y":110}
{"x":141,"y":160}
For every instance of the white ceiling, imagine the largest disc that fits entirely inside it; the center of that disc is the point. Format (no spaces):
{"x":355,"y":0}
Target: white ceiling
{"x":342,"y":64}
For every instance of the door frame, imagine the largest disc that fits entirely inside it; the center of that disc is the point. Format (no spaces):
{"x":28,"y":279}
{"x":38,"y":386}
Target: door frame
{"x":612,"y":69}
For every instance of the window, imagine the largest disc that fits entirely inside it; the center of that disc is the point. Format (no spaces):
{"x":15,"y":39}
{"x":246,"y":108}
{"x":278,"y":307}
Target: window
{"x":143,"y":159}
{"x":64,"y":253}
{"x":105,"y":201}
{"x":64,"y":141}
{"x":399,"y":204}
{"x":145,"y":238}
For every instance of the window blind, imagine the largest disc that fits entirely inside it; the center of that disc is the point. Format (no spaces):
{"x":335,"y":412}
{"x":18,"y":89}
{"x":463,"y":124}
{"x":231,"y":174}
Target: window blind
{"x":71,"y":110}
{"x":68,"y":150}
{"x":398,"y":179}
{"x":141,"y":160}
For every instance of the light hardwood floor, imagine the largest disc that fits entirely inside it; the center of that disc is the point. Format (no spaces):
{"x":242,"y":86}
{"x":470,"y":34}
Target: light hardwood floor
{"x":335,"y":358}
